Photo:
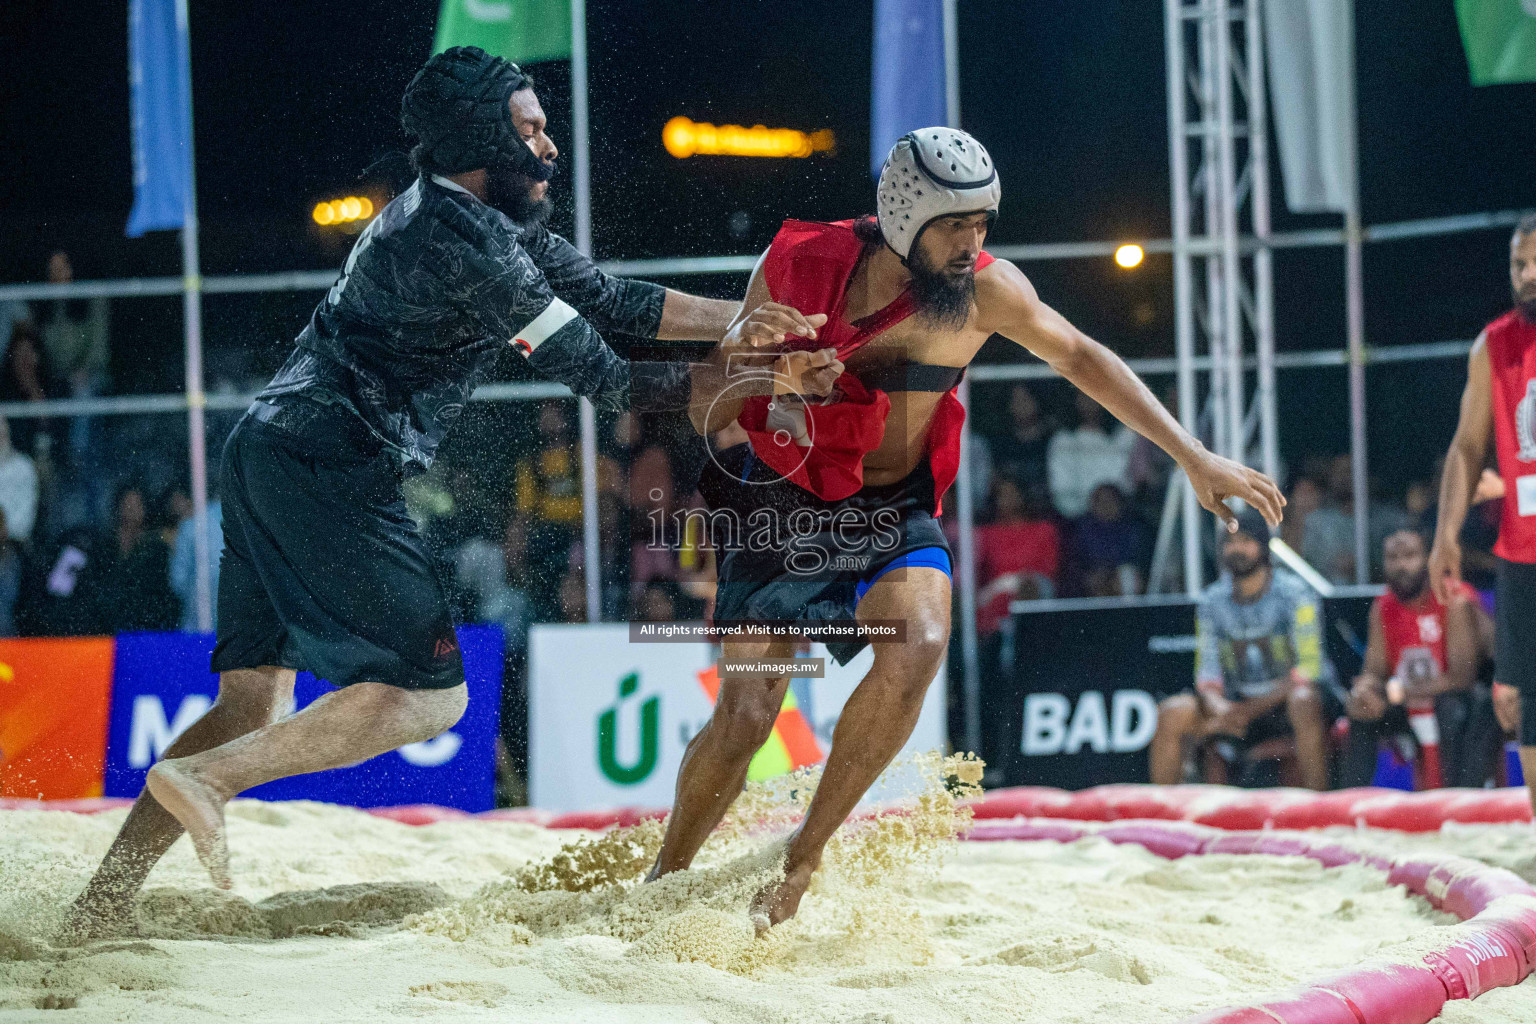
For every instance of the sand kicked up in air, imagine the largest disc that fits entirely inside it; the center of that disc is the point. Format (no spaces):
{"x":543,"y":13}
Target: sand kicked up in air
{"x":339,"y":916}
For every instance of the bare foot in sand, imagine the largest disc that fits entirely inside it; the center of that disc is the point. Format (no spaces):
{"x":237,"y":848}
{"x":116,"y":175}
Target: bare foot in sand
{"x":94,"y":916}
{"x":777,"y":902}
{"x":200,"y":809}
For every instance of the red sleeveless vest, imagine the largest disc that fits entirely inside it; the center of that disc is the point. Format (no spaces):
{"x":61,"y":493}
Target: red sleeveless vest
{"x":808,"y":267}
{"x":1512,"y":365}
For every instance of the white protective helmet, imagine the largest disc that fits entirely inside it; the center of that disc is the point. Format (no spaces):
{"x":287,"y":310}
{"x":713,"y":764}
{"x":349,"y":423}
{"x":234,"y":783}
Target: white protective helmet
{"x":933,"y":172}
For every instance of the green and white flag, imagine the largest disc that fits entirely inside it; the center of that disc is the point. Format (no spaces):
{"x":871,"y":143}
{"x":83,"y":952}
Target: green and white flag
{"x":1500,"y":39}
{"x":523,"y":31}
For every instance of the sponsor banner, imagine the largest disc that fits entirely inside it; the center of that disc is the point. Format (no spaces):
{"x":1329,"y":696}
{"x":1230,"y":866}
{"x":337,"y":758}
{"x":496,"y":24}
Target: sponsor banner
{"x":609,"y":728}
{"x":53,"y":717}
{"x":162,"y":685}
{"x":1082,"y":703}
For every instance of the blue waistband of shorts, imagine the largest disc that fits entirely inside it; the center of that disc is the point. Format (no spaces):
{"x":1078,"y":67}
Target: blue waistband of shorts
{"x":933,"y":557}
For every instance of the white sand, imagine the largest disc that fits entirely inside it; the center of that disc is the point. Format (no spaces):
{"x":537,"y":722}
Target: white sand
{"x":1030,"y":932}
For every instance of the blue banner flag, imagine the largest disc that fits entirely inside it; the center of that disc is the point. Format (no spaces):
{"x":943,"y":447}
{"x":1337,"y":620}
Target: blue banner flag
{"x":908,"y":86}
{"x":158,"y":101}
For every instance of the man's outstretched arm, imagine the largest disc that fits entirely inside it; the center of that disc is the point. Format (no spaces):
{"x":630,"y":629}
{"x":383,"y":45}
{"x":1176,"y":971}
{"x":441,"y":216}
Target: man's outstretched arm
{"x":1463,"y":466}
{"x":1008,"y":305}
{"x":624,"y":304}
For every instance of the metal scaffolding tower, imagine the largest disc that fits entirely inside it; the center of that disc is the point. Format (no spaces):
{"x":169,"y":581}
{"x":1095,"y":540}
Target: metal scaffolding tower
{"x":1223,"y":274}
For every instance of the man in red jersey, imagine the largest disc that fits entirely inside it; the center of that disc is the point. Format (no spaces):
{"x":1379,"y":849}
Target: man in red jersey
{"x":1500,"y":403}
{"x":837,"y":500}
{"x":1420,"y":662}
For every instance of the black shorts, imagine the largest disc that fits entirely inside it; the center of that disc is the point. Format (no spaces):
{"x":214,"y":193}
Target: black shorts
{"x":786,"y":555}
{"x":322,"y":568}
{"x":1515,"y":640}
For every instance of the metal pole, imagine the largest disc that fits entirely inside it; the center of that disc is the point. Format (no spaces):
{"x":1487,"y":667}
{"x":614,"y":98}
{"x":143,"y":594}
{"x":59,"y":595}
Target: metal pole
{"x":1354,"y":289}
{"x":1210,"y":175}
{"x":1183,"y":276}
{"x":581,"y":173}
{"x":1263,"y":258}
{"x":192,"y":316}
{"x":1231,"y":268}
{"x":951,"y":65}
{"x":965,"y":499}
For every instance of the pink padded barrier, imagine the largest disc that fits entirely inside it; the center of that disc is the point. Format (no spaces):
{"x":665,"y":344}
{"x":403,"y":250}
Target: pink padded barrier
{"x":1242,"y":809}
{"x":1496,"y":947}
{"x":84,"y":805}
{"x":417,"y":814}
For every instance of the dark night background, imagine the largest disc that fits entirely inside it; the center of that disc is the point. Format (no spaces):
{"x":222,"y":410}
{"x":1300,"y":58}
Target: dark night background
{"x":292,"y":101}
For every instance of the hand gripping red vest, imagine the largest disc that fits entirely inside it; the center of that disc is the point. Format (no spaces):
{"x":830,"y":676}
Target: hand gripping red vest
{"x":808,"y":267}
{"x":1512,"y":364}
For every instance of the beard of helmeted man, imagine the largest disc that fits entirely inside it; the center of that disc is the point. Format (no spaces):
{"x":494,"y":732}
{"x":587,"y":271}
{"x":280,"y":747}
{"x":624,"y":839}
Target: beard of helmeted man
{"x":943,"y":297}
{"x":511,"y":192}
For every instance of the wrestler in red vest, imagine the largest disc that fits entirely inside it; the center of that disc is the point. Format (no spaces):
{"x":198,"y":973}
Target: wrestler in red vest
{"x":1511,"y":341}
{"x":808,"y":266}
{"x":826,"y":517}
{"x":1499,"y":405}
{"x":1415,"y":636}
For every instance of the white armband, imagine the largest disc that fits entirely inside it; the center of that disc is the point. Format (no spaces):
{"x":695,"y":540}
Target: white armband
{"x":555,"y":316}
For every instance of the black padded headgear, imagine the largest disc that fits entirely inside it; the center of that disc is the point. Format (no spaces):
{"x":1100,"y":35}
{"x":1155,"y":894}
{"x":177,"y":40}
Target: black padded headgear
{"x":457,"y":107}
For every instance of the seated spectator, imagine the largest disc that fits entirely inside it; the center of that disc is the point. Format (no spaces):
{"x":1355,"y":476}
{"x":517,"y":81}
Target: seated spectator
{"x":493,"y":580}
{"x":1019,"y":452}
{"x":55,"y":600}
{"x":1305,"y":498}
{"x":12,"y":570}
{"x":548,"y":495}
{"x":1328,"y":542}
{"x":571,"y":597}
{"x":184,"y":562}
{"x":549,"y":482}
{"x":1109,"y":548}
{"x":129,"y":578}
{"x":1097,"y":452}
{"x":1260,"y":670}
{"x":1416,"y":686}
{"x":21,"y":380}
{"x":1018,"y":555}
{"x":18,"y":488}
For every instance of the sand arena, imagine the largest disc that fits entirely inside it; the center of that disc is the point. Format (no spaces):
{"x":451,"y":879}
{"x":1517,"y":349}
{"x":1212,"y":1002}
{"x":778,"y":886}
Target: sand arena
{"x":340,"y":916}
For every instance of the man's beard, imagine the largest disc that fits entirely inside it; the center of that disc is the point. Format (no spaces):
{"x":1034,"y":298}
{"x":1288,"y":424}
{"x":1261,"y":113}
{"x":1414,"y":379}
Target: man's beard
{"x":1527,"y":305}
{"x":1241,"y":566}
{"x":511,"y":192}
{"x":943,"y":299}
{"x":1408,"y":588}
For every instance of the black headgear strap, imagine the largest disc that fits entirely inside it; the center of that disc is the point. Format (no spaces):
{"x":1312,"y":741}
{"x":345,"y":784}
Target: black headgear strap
{"x":457,"y":107}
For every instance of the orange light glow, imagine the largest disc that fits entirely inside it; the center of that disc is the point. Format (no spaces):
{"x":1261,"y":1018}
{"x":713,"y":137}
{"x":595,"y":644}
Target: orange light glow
{"x":684,"y":138}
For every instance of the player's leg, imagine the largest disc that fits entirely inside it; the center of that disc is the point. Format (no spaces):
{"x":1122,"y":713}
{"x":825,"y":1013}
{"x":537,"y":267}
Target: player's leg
{"x":714,"y":767}
{"x":1304,"y":709}
{"x":248,"y":699}
{"x":1180,"y":718}
{"x":1515,"y":654}
{"x":341,"y":728}
{"x":875,"y":722}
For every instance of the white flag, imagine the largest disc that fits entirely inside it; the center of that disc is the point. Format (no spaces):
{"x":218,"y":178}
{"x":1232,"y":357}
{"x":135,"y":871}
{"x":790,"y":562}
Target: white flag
{"x":1311,"y":64}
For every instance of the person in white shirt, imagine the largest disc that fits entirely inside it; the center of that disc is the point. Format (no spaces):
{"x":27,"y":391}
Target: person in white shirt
{"x":1097,"y":452}
{"x":18,"y":487}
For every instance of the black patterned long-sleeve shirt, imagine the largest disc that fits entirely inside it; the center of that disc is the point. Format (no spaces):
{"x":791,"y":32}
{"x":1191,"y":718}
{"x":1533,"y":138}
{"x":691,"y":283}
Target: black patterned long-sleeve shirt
{"x":435,"y":288}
